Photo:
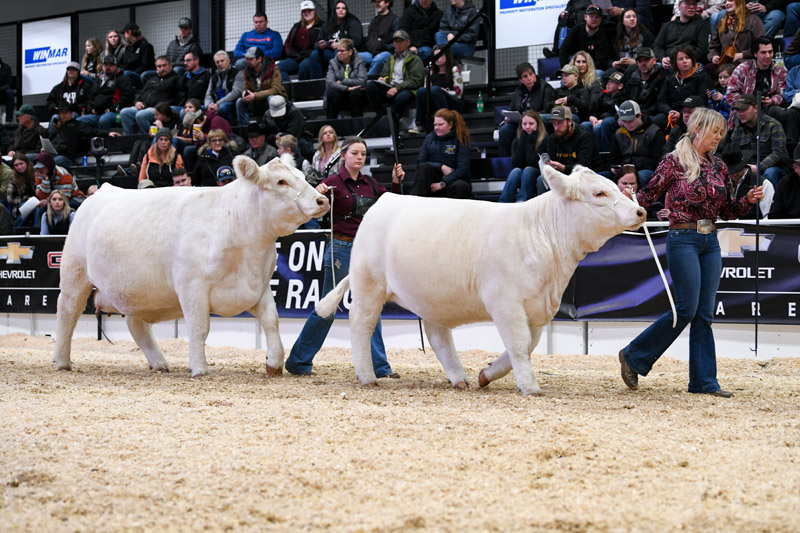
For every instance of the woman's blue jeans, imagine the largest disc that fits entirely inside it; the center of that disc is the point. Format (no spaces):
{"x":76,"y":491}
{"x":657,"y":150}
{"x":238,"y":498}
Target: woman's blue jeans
{"x":523,"y":179}
{"x":316,"y":328}
{"x":315,"y":63}
{"x":458,"y":49}
{"x":695,"y":265}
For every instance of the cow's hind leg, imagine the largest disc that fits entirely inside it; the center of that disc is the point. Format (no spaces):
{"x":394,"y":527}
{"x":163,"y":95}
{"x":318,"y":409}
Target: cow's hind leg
{"x":441,"y":339}
{"x":142,"y":333}
{"x":517,"y":338}
{"x":368,"y":300}
{"x":75,"y":289}
{"x":267,"y":314}
{"x":502,"y":365}
{"x":194,"y":302}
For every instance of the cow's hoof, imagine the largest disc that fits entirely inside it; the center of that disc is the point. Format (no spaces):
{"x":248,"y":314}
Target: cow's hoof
{"x":461,"y":385}
{"x":371,"y":384}
{"x":199,"y":373}
{"x":533,"y":391}
{"x":63,"y":366}
{"x":274,"y":372}
{"x":161,"y":368}
{"x":483,"y":381}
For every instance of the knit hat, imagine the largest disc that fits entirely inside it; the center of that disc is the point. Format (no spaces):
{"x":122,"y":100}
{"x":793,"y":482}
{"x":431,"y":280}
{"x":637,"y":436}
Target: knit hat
{"x":146,"y":184}
{"x":44,"y":159}
{"x":164,"y":132}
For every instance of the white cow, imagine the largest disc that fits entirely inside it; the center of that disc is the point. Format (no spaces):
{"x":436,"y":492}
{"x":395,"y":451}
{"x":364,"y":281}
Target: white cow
{"x":174,"y":252}
{"x":455,"y":262}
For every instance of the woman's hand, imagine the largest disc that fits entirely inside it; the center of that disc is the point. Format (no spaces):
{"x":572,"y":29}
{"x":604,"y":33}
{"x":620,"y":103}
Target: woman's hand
{"x":322,"y":188}
{"x":717,"y":96}
{"x":715,"y":60}
{"x":158,"y":123}
{"x":398,"y":174}
{"x":674,"y":116}
{"x":628,"y":193}
{"x":663,"y":214}
{"x":755,"y":194}
{"x":446,"y":170}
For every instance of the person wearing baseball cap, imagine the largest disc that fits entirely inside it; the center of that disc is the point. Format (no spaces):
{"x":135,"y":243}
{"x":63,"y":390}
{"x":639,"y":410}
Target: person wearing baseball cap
{"x":183,"y":43}
{"x":27,"y":136}
{"x":70,"y":136}
{"x":572,"y":93}
{"x":772,"y":148}
{"x":786,"y":202}
{"x":744,"y":180}
{"x":605,"y":111}
{"x":269,"y":41}
{"x":284,"y":118}
{"x":112,"y":90}
{"x":589,"y":37}
{"x":568,"y":146}
{"x":139,"y":56}
{"x":688,"y":107}
{"x":262,"y":81}
{"x":300,"y":43}
{"x":72,"y":89}
{"x":637,"y":142}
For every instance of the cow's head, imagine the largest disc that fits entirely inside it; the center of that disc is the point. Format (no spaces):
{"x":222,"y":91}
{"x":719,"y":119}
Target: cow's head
{"x":291,"y":198}
{"x":603,"y":209}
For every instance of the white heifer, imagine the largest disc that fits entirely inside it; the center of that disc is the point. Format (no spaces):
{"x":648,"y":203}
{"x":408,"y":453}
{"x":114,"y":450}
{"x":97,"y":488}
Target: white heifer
{"x":455,"y":262}
{"x":174,"y":252}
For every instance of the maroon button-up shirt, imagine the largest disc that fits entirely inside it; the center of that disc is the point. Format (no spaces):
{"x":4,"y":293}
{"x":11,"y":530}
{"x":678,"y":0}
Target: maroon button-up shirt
{"x":343,"y":200}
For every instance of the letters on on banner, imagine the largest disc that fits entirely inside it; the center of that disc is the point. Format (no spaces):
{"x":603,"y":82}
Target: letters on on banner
{"x":618,"y":282}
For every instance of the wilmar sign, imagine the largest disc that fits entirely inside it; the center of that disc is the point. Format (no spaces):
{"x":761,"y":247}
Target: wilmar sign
{"x":526,"y":22}
{"x":45,"y":54}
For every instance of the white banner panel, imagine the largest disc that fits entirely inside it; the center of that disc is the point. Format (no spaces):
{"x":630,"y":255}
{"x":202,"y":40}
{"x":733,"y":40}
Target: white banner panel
{"x":45,"y":54}
{"x":526,"y":22}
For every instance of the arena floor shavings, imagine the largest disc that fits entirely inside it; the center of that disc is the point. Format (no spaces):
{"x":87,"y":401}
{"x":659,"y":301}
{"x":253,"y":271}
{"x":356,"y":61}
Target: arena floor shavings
{"x":112,"y":446}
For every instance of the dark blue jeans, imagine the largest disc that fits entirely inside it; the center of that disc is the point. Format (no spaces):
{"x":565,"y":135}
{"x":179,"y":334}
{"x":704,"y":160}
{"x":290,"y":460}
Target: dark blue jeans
{"x":522,"y":180}
{"x":440,"y":99}
{"x":376,"y":94}
{"x":316,"y":328}
{"x":695,"y":265}
{"x":315,"y":64}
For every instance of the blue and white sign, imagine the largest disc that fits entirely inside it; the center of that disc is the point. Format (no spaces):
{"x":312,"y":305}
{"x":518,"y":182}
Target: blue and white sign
{"x":526,"y":22}
{"x":45,"y":54}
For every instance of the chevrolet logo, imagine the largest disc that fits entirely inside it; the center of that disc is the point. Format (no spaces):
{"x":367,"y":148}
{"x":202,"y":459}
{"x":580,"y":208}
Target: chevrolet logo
{"x":733,"y":242}
{"x":13,"y":252}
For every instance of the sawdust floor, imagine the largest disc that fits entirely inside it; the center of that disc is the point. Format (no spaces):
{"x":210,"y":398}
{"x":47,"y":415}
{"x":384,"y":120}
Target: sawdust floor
{"x":111,"y":446}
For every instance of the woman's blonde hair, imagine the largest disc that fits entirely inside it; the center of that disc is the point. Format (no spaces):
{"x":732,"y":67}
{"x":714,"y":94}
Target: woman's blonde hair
{"x":591,"y":72}
{"x":64,"y":212}
{"x":740,"y":16}
{"x":702,"y":123}
{"x":321,"y":146}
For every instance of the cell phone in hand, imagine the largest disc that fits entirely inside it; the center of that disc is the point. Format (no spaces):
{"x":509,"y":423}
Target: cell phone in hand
{"x":544,"y":158}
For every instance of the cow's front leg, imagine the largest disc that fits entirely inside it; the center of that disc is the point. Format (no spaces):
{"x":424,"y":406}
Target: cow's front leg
{"x":516,"y":335}
{"x":194,"y":302}
{"x":441,"y":340}
{"x":142,"y":333}
{"x":267,"y":314}
{"x":502,"y":365}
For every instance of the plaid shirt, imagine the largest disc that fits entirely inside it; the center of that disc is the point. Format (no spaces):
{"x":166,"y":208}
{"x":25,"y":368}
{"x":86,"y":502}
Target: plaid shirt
{"x":773,"y":141}
{"x":743,"y":80}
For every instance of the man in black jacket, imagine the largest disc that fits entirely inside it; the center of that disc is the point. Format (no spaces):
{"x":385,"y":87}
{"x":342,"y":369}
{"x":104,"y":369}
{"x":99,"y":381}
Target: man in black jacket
{"x":689,"y":28}
{"x":111,"y":92}
{"x":26,"y":137}
{"x":194,"y":82}
{"x":421,"y":21}
{"x":638,"y":142}
{"x":379,"y":45}
{"x":166,"y":87}
{"x":284,"y":118}
{"x":643,"y":83}
{"x":139,"y":54}
{"x":531,"y":94}
{"x":786,"y":202}
{"x":588,"y":37}
{"x":70,"y":136}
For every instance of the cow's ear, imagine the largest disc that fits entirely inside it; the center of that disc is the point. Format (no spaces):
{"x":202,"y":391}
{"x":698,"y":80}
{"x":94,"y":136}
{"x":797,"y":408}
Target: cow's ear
{"x":559,"y":182}
{"x":245,"y":168}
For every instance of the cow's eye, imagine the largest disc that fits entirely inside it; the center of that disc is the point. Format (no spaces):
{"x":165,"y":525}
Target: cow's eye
{"x":281,"y":182}
{"x":599,"y":194}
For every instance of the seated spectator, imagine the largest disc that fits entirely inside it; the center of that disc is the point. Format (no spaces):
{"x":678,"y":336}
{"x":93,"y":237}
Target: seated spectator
{"x":287,"y":144}
{"x":7,"y":94}
{"x":402,"y":75}
{"x":525,"y":159}
{"x":51,"y":177}
{"x":705,"y":8}
{"x":791,"y":56}
{"x":185,"y":42}
{"x":643,"y":84}
{"x":716,"y":96}
{"x":139,"y":55}
{"x":91,"y":64}
{"x":225,"y":175}
{"x":772,"y":140}
{"x":790,"y":117}
{"x":443,"y":163}
{"x":345,"y":82}
{"x":770,"y":12}
{"x":195,"y":125}
{"x":678,"y":127}
{"x":262,"y":81}
{"x":628,"y":178}
{"x":115,"y":46}
{"x":27,"y":136}
{"x":378,"y":46}
{"x":744,"y":180}
{"x":340,"y":25}
{"x":111,"y":92}
{"x":738,"y":29}
{"x":58,"y":217}
{"x":268,"y":41}
{"x":786,"y":202}
{"x":180,"y":178}
{"x":195,"y":80}
{"x":604,"y":120}
{"x":631,"y":35}
{"x":572,"y":15}
{"x":73,"y":90}
{"x":218,"y":151}
{"x":259,"y":150}
{"x":71,"y":137}
{"x":327,"y":150}
{"x":6,"y":172}
{"x":166,"y":87}
{"x":224,"y":88}
{"x":21,"y":188}
{"x":532,"y":94}
{"x":638,"y":142}
{"x":687,"y":78}
{"x":615,"y":14}
{"x":146,"y":184}
{"x":300,"y":43}
{"x":165,"y":117}
{"x":284,"y":118}
{"x":587,"y":36}
{"x":572,"y":94}
{"x":689,"y":28}
{"x":421,"y":21}
{"x":587,"y":77}
{"x":160,"y":160}
{"x":454,"y":18}
{"x":760,"y":74}
{"x":447,"y":88}
{"x":91,"y":190}
{"x":568,"y":146}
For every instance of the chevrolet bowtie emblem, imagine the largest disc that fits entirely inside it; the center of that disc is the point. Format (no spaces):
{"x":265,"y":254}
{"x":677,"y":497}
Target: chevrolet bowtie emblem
{"x":13,"y":252}
{"x":733,"y":242}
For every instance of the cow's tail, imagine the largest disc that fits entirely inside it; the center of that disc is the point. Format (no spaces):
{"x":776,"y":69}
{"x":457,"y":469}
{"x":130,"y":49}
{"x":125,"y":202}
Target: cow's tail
{"x":326,"y":307}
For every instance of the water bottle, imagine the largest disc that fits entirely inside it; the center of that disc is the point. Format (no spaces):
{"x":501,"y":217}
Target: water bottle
{"x":85,"y":161}
{"x":480,"y":102}
{"x":779,"y":59}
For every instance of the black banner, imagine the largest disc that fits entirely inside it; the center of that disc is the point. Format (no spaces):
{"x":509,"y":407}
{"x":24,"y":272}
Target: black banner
{"x":618,"y":282}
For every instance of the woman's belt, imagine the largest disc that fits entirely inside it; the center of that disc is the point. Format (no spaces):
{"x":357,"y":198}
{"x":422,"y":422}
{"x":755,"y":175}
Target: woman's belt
{"x":343,"y":237}
{"x":704,"y":226}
